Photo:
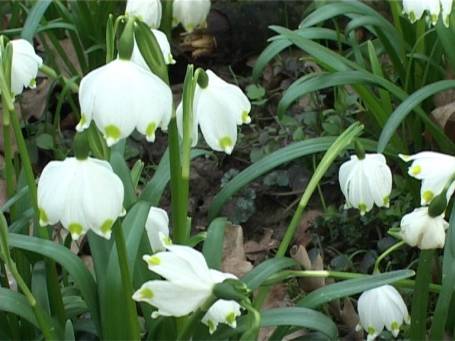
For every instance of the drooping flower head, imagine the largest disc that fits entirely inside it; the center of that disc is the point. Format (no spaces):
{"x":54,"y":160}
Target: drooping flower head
{"x":121,"y":96}
{"x":80,"y":194}
{"x":420,"y":229}
{"x":149,"y":11}
{"x":435,"y":170}
{"x":25,"y":65}
{"x":218,"y":109}
{"x":187,"y":284}
{"x":157,"y":227}
{"x":365,"y":182}
{"x":164,"y":46}
{"x":190,"y":13}
{"x":382,"y":307}
{"x":416,"y":8}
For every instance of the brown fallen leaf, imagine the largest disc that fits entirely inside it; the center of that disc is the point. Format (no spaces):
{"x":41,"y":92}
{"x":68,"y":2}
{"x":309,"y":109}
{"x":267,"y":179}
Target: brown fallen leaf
{"x":278,"y":297}
{"x":300,"y":255}
{"x":257,"y":251}
{"x":33,"y":103}
{"x":350,"y":319}
{"x":234,"y":258}
{"x":302,"y":237}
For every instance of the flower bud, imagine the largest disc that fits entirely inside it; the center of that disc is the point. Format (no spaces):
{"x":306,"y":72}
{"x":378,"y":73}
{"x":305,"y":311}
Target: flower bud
{"x":231,"y":289}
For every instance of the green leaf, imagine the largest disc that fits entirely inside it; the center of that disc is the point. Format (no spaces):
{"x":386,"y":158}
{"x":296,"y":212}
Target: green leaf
{"x":351,"y":287}
{"x":300,"y":317}
{"x":263,"y":271}
{"x":13,"y":302}
{"x":407,"y":106}
{"x":72,"y":264}
{"x":33,"y":19}
{"x":213,"y":244}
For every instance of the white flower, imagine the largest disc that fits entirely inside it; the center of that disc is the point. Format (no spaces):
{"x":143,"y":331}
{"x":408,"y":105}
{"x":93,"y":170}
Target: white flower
{"x":435,"y":170}
{"x":25,"y":65}
{"x":366,"y":182}
{"x":80,"y":194}
{"x":188,"y":284}
{"x":149,"y":11}
{"x":157,"y":227}
{"x":419,"y":229}
{"x":190,"y":13}
{"x":121,"y":96}
{"x":165,"y":49}
{"x":218,"y":109}
{"x":415,"y":9}
{"x":382,"y":307}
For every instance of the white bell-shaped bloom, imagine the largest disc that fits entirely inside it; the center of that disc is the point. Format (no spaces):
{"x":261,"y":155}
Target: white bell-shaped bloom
{"x":366,"y":182}
{"x":164,"y":46}
{"x":187,"y":284}
{"x":80,"y":194}
{"x":218,"y":109}
{"x":382,"y":307}
{"x":416,"y":8}
{"x":121,"y":96}
{"x":419,"y":229}
{"x":25,"y":65}
{"x":157,"y":226}
{"x":149,"y":11}
{"x":190,"y":13}
{"x":435,"y":170}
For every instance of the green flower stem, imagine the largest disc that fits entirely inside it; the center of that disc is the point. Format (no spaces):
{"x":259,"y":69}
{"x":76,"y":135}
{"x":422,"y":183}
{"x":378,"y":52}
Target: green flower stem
{"x":386,"y":253}
{"x":189,"y":325}
{"x":42,"y":318}
{"x":127,"y":281}
{"x":55,"y":295}
{"x":50,"y":72}
{"x":288,"y":274}
{"x":420,"y":296}
{"x":8,"y":156}
{"x":340,"y":144}
{"x":254,"y":322}
{"x":166,"y":19}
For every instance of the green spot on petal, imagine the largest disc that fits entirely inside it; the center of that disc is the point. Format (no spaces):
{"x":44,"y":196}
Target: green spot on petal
{"x":83,"y":120}
{"x":362,"y":208}
{"x":412,"y":17}
{"x":386,"y":200}
{"x":434,"y":19}
{"x":211,"y":326}
{"x":395,"y":325}
{"x":167,"y":241}
{"x":75,"y":230}
{"x":43,"y":219}
{"x":371,"y":330}
{"x":107,"y":226}
{"x":32,"y":83}
{"x":150,"y":131}
{"x":154,"y":260}
{"x":246,"y":117}
{"x":226,"y":144}
{"x":230,"y":318}
{"x":146,"y":293}
{"x":112,"y":131}
{"x":428,"y":196}
{"x":416,"y":170}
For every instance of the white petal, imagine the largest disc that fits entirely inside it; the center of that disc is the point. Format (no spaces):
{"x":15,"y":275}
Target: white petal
{"x":446,"y":10}
{"x":222,"y":311}
{"x":25,"y":65}
{"x":368,"y":313}
{"x":165,"y":49}
{"x":191,"y":13}
{"x":194,"y":258}
{"x":148,"y":11}
{"x":170,"y":299}
{"x":157,"y":221}
{"x":414,"y":8}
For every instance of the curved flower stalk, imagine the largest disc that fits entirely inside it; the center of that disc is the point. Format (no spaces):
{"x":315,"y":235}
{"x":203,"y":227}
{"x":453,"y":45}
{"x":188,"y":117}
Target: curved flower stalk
{"x":435,"y":170}
{"x":188,"y":283}
{"x":420,"y":229}
{"x":121,"y":96}
{"x":365,"y":182}
{"x":25,"y":65}
{"x":149,"y":11}
{"x":218,"y":109}
{"x":165,"y":47}
{"x":416,"y":8}
{"x":80,"y":194}
{"x":190,"y":13}
{"x":382,"y":307}
{"x":157,"y":227}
